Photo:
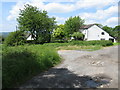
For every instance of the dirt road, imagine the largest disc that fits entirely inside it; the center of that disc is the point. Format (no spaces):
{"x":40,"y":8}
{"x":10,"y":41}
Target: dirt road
{"x":79,"y":69}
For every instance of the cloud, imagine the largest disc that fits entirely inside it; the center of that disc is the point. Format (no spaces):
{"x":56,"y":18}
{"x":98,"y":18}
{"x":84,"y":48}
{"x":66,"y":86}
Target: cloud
{"x":60,"y":20}
{"x":95,"y":3}
{"x":40,"y":0}
{"x":101,"y":16}
{"x":15,"y":11}
{"x":113,"y":21}
{"x":57,"y":7}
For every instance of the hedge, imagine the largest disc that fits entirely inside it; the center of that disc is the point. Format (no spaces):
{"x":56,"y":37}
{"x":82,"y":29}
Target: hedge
{"x":94,"y":42}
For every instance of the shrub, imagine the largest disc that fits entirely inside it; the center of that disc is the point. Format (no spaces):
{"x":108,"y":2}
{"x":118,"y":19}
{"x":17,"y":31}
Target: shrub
{"x":60,"y":41}
{"x":56,"y":44}
{"x":30,"y":41}
{"x":78,"y":36}
{"x":94,"y":42}
{"x":59,"y":33}
{"x":15,"y":38}
{"x":45,"y":38}
{"x":21,"y":63}
{"x":2,"y":39}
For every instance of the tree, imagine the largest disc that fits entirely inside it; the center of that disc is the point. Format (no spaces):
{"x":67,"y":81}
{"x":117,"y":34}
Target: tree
{"x":2,"y":39}
{"x":116,"y":31}
{"x":59,"y":33}
{"x":99,"y":25}
{"x":78,"y":36}
{"x":37,"y":23}
{"x":72,"y":25}
{"x":15,"y":38}
{"x":108,"y":30}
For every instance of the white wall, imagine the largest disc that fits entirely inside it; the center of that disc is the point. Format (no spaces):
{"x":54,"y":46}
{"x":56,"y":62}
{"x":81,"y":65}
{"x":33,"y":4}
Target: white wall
{"x":84,"y":32}
{"x":30,"y":38}
{"x":94,"y":33}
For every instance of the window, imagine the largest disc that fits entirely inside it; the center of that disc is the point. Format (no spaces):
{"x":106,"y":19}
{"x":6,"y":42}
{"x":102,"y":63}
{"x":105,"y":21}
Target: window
{"x":102,"y":38}
{"x":103,"y":33}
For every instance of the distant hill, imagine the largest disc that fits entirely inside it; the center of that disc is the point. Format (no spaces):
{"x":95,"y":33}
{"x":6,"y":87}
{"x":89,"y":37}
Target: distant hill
{"x":4,"y":34}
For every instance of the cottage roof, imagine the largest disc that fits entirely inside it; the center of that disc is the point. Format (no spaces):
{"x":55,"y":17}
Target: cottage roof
{"x":86,"y":26}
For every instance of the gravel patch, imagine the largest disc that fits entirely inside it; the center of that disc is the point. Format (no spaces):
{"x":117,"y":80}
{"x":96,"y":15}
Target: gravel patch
{"x":80,"y":69}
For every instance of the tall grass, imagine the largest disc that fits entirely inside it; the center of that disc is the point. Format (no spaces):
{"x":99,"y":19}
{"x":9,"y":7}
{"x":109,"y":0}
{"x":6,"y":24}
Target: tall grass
{"x":117,"y":43}
{"x":93,"y":42}
{"x":22,"y":62}
{"x":75,"y":47}
{"x":78,"y":45}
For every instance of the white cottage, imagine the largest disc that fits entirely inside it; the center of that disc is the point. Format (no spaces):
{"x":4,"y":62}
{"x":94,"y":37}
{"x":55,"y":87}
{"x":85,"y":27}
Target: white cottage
{"x":94,"y":32}
{"x":30,"y":38}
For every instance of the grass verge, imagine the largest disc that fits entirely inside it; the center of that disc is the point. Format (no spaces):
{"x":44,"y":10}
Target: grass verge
{"x":75,"y":47}
{"x":117,"y":43}
{"x":23,"y":62}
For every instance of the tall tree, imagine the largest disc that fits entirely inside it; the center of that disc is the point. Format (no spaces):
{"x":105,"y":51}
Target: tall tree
{"x":116,"y":31}
{"x":108,"y":30}
{"x":73,"y":24}
{"x":36,"y":22}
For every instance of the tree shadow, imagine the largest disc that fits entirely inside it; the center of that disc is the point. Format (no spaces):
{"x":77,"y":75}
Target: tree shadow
{"x":63,"y":78}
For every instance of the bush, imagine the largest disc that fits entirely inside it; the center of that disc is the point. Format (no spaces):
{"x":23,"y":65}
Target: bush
{"x":30,"y":41}
{"x":78,"y":36}
{"x":60,"y":41}
{"x":94,"y":42}
{"x":2,"y":39}
{"x":15,"y":38}
{"x":45,"y":38}
{"x":23,"y":62}
{"x":56,"y":44}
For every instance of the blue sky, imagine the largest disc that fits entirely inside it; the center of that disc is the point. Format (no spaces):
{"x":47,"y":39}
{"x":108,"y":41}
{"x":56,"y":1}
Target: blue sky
{"x":104,"y":12}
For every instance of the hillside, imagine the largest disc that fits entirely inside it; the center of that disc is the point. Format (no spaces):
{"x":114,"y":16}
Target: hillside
{"x":4,"y":34}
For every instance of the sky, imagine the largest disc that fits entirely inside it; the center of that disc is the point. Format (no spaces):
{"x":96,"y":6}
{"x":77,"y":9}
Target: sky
{"x":104,"y":12}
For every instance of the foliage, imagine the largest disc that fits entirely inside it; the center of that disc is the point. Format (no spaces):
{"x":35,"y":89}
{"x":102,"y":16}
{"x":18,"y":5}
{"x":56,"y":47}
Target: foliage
{"x":117,"y":43}
{"x":77,"y":47}
{"x":59,"y":41}
{"x":37,"y":23}
{"x":15,"y":38}
{"x":108,"y":30}
{"x":94,"y":42}
{"x":59,"y":33}
{"x":116,"y":31}
{"x":23,"y":62}
{"x":99,"y":25}
{"x":2,"y":39}
{"x":78,"y":36}
{"x":55,"y":45}
{"x":72,"y":25}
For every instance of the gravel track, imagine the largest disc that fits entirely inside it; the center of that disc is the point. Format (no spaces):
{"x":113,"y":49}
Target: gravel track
{"x":81,"y":69}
